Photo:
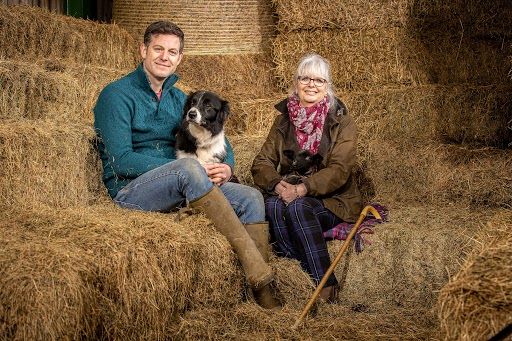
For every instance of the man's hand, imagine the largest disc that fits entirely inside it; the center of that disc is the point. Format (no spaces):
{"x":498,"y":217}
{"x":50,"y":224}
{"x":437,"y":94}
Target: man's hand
{"x":219,"y":173}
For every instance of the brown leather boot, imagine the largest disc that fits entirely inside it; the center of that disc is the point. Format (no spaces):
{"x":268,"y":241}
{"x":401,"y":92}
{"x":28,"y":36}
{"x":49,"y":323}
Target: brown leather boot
{"x":264,"y":296}
{"x":218,"y":209}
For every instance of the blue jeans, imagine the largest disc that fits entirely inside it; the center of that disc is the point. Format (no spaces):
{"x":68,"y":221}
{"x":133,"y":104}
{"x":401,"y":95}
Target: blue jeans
{"x":172,"y":185}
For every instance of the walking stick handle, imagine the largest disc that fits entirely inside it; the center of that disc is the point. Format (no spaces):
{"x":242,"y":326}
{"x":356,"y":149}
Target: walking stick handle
{"x":329,"y":271}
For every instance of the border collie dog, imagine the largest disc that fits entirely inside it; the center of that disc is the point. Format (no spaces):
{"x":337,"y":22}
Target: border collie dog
{"x":201,"y":134}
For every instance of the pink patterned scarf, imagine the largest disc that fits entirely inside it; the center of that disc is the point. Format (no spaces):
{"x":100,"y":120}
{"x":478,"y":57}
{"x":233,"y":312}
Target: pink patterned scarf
{"x":308,"y":122}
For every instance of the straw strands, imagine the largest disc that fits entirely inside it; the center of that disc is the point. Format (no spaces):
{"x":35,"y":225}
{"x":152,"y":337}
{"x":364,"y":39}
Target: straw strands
{"x":99,"y":273}
{"x":360,"y":60}
{"x":51,"y":90}
{"x":477,"y":302}
{"x":210,"y":26}
{"x":33,"y":33}
{"x":46,"y":162}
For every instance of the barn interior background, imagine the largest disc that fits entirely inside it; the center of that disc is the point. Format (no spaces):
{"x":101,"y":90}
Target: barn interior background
{"x":429,"y":85}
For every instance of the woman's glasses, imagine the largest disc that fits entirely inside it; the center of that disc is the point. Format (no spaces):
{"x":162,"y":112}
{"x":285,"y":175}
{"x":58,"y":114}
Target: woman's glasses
{"x":319,"y":82}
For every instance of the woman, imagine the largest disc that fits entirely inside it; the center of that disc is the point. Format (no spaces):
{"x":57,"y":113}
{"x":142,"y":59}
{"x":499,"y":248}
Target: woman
{"x":311,"y":119}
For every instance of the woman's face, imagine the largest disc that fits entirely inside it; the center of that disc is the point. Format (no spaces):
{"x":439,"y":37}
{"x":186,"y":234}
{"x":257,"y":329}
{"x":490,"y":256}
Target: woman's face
{"x":311,"y":89}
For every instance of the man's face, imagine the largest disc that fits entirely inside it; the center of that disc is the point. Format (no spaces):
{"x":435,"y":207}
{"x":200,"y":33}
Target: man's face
{"x":161,"y":56}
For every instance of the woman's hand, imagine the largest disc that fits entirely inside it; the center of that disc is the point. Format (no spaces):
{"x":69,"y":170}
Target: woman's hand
{"x":288,"y":192}
{"x":219,"y":173}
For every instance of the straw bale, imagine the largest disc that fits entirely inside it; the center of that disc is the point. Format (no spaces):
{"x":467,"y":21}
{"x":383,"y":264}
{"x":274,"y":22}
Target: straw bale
{"x":360,"y":60}
{"x":247,"y":322}
{"x":44,"y":290}
{"x":245,"y":148}
{"x":210,"y":26}
{"x":410,"y":257}
{"x":144,"y":269}
{"x":31,"y":33}
{"x":477,"y":302}
{"x":235,"y":77}
{"x":466,"y":114}
{"x":476,"y":16}
{"x":456,"y":56}
{"x":439,"y":174}
{"x":48,"y":162}
{"x":254,"y":116}
{"x":354,"y":15}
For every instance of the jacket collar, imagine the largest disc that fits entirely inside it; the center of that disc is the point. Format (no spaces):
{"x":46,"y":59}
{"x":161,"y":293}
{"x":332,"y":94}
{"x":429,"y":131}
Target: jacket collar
{"x":143,"y":81}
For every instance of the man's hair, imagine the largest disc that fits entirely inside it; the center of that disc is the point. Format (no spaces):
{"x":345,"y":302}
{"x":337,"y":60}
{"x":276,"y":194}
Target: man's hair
{"x":164,"y":27}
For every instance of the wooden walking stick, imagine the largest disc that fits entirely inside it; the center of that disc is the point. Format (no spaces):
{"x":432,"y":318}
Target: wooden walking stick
{"x":313,"y":298}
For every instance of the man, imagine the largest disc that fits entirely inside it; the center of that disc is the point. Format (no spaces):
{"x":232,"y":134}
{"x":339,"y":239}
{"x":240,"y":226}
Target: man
{"x":134,"y":119}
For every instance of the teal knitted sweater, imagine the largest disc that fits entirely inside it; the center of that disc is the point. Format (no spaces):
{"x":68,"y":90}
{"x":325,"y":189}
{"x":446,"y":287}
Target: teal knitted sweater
{"x":136,"y":130}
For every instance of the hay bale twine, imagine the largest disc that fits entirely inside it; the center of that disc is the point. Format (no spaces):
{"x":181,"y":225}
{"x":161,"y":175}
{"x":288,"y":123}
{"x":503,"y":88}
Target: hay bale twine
{"x":210,"y":26}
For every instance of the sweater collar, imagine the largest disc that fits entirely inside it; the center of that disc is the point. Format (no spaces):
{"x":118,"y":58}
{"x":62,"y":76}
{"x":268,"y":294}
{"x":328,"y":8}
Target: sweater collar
{"x":143,"y":81}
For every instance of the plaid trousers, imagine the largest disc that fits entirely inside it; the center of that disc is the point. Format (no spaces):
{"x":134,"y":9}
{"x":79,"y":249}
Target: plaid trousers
{"x":297,"y":230}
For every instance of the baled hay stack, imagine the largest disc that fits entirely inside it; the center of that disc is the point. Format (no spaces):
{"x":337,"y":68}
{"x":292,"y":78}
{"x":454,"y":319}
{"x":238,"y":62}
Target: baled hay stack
{"x":439,"y":174}
{"x":354,"y":15}
{"x":409,"y":259}
{"x":236,"y":78}
{"x":456,"y":56}
{"x":44,"y":162}
{"x":30,"y":92}
{"x":331,"y":322}
{"x":245,"y":148}
{"x":254,"y":116}
{"x":473,"y":115}
{"x":360,"y":60}
{"x":117,"y":274}
{"x":51,"y":90}
{"x":477,"y":302}
{"x":480,"y":17}
{"x":34,"y":33}
{"x":210,"y":26}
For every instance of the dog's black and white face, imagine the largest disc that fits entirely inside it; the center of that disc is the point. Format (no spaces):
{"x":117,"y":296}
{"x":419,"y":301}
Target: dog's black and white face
{"x":201,"y":135}
{"x":206,"y":110}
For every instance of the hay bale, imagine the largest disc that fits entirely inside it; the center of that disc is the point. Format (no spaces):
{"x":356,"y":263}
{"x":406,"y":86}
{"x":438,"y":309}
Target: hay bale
{"x":457,"y":56}
{"x":478,"y":17}
{"x":137,"y":272}
{"x":353,"y":15}
{"x":477,"y":302}
{"x":254,"y":116}
{"x":48,"y":162}
{"x":45,"y":293}
{"x":235,"y":77}
{"x":33,"y":33}
{"x":210,"y":26}
{"x":360,"y":60}
{"x":247,"y":322}
{"x":245,"y":148}
{"x":439,"y":174}
{"x":410,"y":257}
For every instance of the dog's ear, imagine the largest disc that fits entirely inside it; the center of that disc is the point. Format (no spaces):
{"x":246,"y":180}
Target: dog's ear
{"x":289,"y":153}
{"x":224,"y":111}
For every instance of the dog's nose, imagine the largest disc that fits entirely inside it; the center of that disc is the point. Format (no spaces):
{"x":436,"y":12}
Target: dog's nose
{"x":192,"y":114}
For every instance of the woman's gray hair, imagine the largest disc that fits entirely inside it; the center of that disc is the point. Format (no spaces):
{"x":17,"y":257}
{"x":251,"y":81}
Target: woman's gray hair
{"x":314,"y":65}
